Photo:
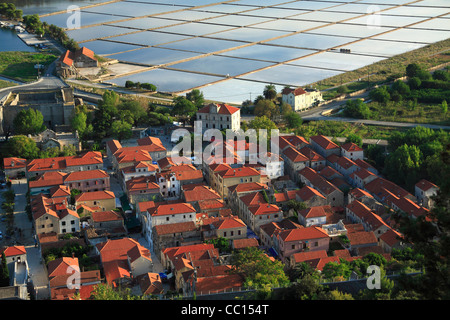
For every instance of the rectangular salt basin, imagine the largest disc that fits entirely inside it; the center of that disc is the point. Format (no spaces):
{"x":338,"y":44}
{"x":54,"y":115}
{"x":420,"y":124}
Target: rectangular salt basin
{"x":225,"y":8}
{"x":249,"y":34}
{"x":147,"y":23}
{"x":268,"y":53}
{"x":416,"y":11}
{"x":336,"y":61}
{"x":290,"y":75}
{"x":260,"y":2}
{"x":387,"y":2}
{"x":359,"y":8}
{"x":148,"y":38}
{"x":103,"y":47}
{"x":275,"y":12}
{"x":86,"y":19}
{"x":154,"y":56}
{"x":382,"y":48}
{"x":312,"y":41}
{"x":438,"y":24}
{"x":96,"y":32}
{"x":222,"y":66}
{"x":305,"y":5}
{"x":179,"y":2}
{"x":132,"y":9}
{"x":425,"y":36}
{"x":384,"y":20}
{"x":168,"y":80}
{"x":236,"y":20}
{"x":235,"y":91}
{"x":195,"y":28}
{"x":325,"y":16}
{"x":189,"y":15}
{"x":346,"y":30}
{"x":289,"y":25}
{"x":204,"y":45}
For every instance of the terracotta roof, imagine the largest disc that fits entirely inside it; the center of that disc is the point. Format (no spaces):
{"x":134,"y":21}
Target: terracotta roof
{"x":311,"y":154}
{"x":245,"y":243}
{"x":59,"y":163}
{"x":306,"y":193}
{"x":86,"y":175}
{"x":366,"y":214}
{"x":49,"y":178}
{"x":13,"y":251}
{"x":324,"y":142}
{"x":308,"y":255}
{"x":239,"y":172}
{"x":314,"y":212}
{"x":142,"y":183}
{"x":362,"y":237}
{"x":247,"y":187}
{"x":252,"y":199}
{"x":409,"y":207}
{"x":333,"y":158}
{"x":222,"y":109}
{"x":358,"y":193}
{"x":346,"y":163}
{"x":150,"y":283}
{"x":200,"y":193}
{"x":362,"y":174}
{"x":60,"y":266}
{"x":327,"y":172}
{"x":363,"y":164}
{"x":226,"y":223}
{"x":285,"y":196}
{"x":104,"y":216}
{"x":303,"y":234}
{"x":297,"y":92}
{"x":383,"y":189}
{"x":169,"y":209}
{"x":294,"y":155}
{"x":174,"y":251}
{"x":145,"y":205}
{"x":351,"y":147}
{"x":113,"y":145}
{"x":95,"y":195}
{"x":425,"y":185}
{"x":172,"y":228}
{"x":14,"y":163}
{"x":59,"y":191}
{"x":391,"y":237}
{"x":211,"y":204}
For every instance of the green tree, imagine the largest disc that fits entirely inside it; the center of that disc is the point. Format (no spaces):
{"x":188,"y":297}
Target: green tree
{"x":29,"y":121}
{"x":444,"y":107}
{"x":403,"y":165}
{"x":196,"y":97}
{"x":105,"y":114}
{"x":401,"y":87}
{"x":414,"y":83}
{"x":223,"y":244}
{"x":270,"y":92}
{"x":357,"y":109}
{"x":121,"y":129}
{"x":356,"y":139}
{"x":22,"y":146}
{"x":183,"y":108}
{"x":306,"y":288}
{"x":257,"y":269}
{"x":4,"y":272}
{"x":262,"y":123}
{"x":135,"y":109}
{"x":266,"y":107}
{"x":293,"y":120}
{"x":380,"y":94}
{"x":79,"y":122}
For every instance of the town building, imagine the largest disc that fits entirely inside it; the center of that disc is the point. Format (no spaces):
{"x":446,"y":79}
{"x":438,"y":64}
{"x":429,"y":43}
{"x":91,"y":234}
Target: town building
{"x":301,"y":99}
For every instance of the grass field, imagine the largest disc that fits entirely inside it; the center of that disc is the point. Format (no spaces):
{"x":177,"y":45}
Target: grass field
{"x":20,"y":65}
{"x":383,"y":71}
{"x":6,"y":84}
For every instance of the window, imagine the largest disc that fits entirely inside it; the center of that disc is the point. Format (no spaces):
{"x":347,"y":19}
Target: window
{"x":73,"y":229}
{"x":72,"y":222}
{"x":167,"y":218}
{"x":225,"y":234}
{"x":293,"y":246}
{"x":63,"y":223}
{"x":63,"y":230}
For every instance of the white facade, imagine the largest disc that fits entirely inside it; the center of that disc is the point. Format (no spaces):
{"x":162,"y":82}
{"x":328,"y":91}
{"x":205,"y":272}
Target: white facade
{"x":300,"y":99}
{"x":219,"y":116}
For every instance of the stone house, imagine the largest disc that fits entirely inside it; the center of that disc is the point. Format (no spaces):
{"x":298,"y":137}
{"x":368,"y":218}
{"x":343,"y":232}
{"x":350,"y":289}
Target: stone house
{"x":301,"y":99}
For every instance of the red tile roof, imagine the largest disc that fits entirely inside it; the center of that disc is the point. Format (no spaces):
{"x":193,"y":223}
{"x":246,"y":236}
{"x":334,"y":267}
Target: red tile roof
{"x":425,"y":185}
{"x":311,"y":154}
{"x":200,"y":193}
{"x":239,"y":172}
{"x":169,"y":209}
{"x":245,"y":243}
{"x":95,"y":195}
{"x":59,"y":163}
{"x":294,"y":155}
{"x":59,"y":266}
{"x":222,"y":109}
{"x":303,"y":234}
{"x":86,"y":175}
{"x":297,"y":92}
{"x":315,"y":212}
{"x":362,"y":237}
{"x":391,"y":237}
{"x":104,"y":216}
{"x":308,"y":255}
{"x":306,"y":193}
{"x":324,"y":142}
{"x":13,"y":251}
{"x":247,"y":187}
{"x":14,"y":163}
{"x":351,"y":147}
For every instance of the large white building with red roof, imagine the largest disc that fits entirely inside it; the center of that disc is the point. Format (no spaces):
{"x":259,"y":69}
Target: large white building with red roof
{"x":219,"y":116}
{"x":300,"y":99}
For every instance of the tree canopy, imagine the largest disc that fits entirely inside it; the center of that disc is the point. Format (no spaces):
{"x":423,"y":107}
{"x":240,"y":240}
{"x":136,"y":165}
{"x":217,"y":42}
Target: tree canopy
{"x":29,"y":121}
